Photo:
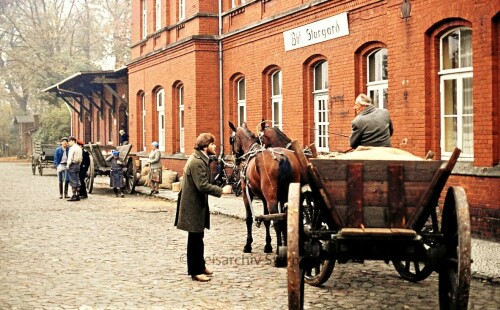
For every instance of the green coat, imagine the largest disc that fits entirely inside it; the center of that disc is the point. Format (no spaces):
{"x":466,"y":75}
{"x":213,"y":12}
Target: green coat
{"x":192,"y":207}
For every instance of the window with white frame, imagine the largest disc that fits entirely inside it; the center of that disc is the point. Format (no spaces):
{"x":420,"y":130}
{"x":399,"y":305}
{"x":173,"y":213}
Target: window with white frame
{"x":160,"y":107}
{"x":455,"y":75}
{"x":242,"y":102}
{"x":276,"y":100}
{"x":143,"y":105}
{"x":182,"y":9}
{"x":377,"y":85}
{"x":144,"y":19}
{"x":320,"y":94}
{"x":158,"y":15}
{"x":181,"y":118}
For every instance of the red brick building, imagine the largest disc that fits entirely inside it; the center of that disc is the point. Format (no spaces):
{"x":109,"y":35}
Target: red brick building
{"x":433,"y":64}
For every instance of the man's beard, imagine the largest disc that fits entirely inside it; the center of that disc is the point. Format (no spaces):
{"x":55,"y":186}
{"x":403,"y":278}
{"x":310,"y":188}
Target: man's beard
{"x":210,"y":152}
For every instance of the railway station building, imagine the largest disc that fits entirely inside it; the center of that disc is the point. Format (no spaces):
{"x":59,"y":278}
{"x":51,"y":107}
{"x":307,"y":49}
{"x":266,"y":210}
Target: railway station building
{"x":195,"y":65}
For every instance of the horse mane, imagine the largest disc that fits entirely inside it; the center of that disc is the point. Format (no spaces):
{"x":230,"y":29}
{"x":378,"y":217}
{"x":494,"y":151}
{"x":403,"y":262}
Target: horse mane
{"x":282,"y":134}
{"x":250,"y":134}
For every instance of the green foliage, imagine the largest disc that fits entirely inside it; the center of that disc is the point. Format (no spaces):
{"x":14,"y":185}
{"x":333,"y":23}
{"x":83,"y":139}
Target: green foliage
{"x":55,"y":123}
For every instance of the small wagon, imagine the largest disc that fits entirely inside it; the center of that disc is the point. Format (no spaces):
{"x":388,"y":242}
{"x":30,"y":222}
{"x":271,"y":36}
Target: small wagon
{"x":383,"y":210}
{"x":99,"y":165}
{"x":43,"y":157}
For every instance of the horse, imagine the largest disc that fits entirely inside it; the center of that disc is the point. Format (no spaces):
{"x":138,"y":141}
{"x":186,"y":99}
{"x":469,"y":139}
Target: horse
{"x":273,"y":137}
{"x":267,"y":174}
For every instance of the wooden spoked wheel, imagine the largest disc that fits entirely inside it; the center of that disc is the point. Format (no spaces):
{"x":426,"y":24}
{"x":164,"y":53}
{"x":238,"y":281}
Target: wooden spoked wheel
{"x":317,"y":270}
{"x":130,"y":176}
{"x":454,"y":270}
{"x":294,"y":248}
{"x":89,"y":178}
{"x":413,"y":271}
{"x":33,"y":165}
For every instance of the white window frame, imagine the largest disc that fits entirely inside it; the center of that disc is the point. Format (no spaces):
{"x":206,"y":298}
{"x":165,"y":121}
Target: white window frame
{"x":144,"y":19}
{"x":241,"y":102}
{"x":457,"y":74}
{"x":380,"y":87}
{"x":160,"y":107}
{"x":277,"y":101}
{"x":181,"y":119}
{"x":158,"y":15}
{"x":143,"y":104}
{"x":321,"y":122}
{"x":182,"y":9}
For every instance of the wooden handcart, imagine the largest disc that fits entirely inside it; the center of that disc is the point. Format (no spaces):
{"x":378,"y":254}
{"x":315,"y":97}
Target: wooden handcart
{"x":99,"y":165}
{"x":43,"y":157}
{"x":379,"y":210}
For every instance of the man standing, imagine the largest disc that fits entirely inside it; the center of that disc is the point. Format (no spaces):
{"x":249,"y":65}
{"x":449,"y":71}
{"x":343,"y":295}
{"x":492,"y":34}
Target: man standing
{"x":74,"y":160}
{"x":193,"y":213}
{"x":371,"y":126}
{"x":60,"y":161}
{"x":84,"y":167}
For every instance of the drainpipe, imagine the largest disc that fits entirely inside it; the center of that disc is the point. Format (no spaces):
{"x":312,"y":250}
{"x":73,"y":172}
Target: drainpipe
{"x":221,"y":101}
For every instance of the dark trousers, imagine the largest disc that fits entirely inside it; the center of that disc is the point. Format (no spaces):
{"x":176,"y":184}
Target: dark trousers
{"x":83,"y":187}
{"x":195,"y":253}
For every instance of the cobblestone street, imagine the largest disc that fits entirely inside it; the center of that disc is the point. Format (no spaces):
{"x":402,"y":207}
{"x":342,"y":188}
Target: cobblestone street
{"x":124,"y":253}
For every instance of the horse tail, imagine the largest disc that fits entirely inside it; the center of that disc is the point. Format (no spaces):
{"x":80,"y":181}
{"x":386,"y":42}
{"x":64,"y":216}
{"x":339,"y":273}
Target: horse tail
{"x":284,"y":179}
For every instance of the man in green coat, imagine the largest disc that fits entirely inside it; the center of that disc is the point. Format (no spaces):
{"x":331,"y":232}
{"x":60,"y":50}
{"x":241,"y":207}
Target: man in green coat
{"x":193,"y":213}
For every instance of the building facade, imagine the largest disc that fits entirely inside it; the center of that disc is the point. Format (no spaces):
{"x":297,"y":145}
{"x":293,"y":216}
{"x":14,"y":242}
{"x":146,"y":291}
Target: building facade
{"x":195,"y":65}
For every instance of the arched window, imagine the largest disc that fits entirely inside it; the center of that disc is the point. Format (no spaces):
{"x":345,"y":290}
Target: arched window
{"x":377,"y":85}
{"x":160,"y":108}
{"x":456,"y":92}
{"x":320,"y":95}
{"x":180,"y":96}
{"x":143,"y":107}
{"x":276,"y":100}
{"x":242,"y":103}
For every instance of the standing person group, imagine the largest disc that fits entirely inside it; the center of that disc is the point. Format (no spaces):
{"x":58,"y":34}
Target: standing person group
{"x":193,"y":214}
{"x":116,"y":174}
{"x":155,"y":172}
{"x":73,"y":164}
{"x":371,"y":126}
{"x":60,"y":161}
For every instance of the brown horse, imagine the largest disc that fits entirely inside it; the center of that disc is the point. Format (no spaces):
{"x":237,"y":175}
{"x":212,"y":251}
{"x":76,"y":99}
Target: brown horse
{"x":273,"y":137}
{"x":267,"y":174}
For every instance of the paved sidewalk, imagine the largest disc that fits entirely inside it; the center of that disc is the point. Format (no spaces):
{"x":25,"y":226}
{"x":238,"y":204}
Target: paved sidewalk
{"x":485,"y":254}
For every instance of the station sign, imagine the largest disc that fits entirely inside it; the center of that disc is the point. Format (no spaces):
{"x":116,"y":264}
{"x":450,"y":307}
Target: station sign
{"x":322,"y":30}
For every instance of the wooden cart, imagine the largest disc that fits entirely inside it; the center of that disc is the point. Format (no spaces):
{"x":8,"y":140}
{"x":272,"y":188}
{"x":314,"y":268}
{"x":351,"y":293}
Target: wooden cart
{"x":99,"y":165}
{"x":379,"y":210}
{"x":43,"y":157}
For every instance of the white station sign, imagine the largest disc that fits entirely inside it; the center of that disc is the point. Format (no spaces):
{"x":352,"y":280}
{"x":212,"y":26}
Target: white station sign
{"x":323,"y":30}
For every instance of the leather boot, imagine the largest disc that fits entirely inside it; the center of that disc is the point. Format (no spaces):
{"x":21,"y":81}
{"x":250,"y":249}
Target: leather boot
{"x":60,"y":190}
{"x":116,"y":191}
{"x":66,"y":185}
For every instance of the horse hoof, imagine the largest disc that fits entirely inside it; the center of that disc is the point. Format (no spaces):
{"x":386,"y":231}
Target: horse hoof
{"x":247,"y":249}
{"x":268,"y":249}
{"x":279,"y":261}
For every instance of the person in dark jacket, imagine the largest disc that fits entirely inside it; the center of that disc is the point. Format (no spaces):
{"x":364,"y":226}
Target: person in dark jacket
{"x":60,"y":160}
{"x":193,"y":213}
{"x":116,"y":173}
{"x":84,"y":167}
{"x":371,"y":126}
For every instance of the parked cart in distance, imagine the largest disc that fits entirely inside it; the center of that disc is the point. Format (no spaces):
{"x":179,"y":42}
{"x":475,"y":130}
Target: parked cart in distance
{"x":43,"y":157}
{"x":99,"y":165}
{"x":383,"y":210}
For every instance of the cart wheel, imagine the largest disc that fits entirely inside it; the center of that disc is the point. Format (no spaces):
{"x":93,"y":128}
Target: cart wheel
{"x":413,"y":271}
{"x":294,"y":249}
{"x":89,"y":178}
{"x":40,"y":168}
{"x":454,"y":271}
{"x":130,"y":176}
{"x":319,"y":270}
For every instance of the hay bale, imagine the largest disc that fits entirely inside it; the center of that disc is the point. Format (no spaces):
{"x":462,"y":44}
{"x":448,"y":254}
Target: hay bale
{"x":168,"y":177}
{"x":145,"y":170}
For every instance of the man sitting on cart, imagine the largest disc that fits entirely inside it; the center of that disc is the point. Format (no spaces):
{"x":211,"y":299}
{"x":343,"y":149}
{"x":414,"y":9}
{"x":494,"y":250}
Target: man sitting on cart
{"x":371,"y":126}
